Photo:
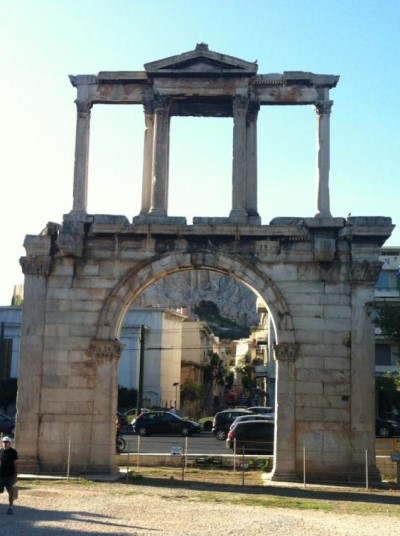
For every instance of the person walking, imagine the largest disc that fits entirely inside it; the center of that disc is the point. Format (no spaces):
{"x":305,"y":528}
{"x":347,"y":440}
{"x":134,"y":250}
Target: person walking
{"x":8,"y":470}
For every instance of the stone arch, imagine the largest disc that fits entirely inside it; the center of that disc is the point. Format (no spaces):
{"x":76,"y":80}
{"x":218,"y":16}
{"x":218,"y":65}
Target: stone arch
{"x":148,"y":272}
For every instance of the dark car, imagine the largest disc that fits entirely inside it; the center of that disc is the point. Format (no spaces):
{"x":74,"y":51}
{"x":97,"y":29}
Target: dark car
{"x":386,"y":428}
{"x":163,"y":422}
{"x":263,"y":410}
{"x":256,"y":437}
{"x":223,"y":420}
{"x":7,"y":425}
{"x":255,"y":417}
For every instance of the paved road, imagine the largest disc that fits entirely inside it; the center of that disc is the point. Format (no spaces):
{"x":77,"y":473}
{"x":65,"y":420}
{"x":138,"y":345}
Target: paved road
{"x":204,"y":443}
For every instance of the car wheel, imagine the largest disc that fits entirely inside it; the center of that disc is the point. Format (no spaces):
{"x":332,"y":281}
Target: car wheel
{"x":185,"y":431}
{"x":220,"y":435}
{"x":142,"y":431}
{"x":207,"y":426}
{"x":383,"y":431}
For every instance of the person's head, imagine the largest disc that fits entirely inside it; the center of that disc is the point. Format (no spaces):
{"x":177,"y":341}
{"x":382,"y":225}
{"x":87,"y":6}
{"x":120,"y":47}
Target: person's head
{"x":6,"y":442}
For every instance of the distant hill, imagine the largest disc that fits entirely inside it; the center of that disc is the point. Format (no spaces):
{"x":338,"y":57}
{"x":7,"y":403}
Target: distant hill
{"x":225,"y":304}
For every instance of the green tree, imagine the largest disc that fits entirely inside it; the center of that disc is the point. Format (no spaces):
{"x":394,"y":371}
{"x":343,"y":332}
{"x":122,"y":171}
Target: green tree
{"x":215,"y":370}
{"x":127,"y":398}
{"x":387,"y":318}
{"x":8,"y":392}
{"x":190,"y":392}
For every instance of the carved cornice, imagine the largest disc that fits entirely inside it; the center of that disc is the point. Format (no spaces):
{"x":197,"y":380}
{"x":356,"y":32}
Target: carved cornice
{"x":323,"y":107}
{"x":286,"y":351}
{"x":35,"y":265}
{"x":365,"y":272}
{"x":83,"y":107}
{"x":106,"y":349}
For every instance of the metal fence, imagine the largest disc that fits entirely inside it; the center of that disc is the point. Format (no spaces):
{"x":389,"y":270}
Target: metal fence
{"x":183,"y":459}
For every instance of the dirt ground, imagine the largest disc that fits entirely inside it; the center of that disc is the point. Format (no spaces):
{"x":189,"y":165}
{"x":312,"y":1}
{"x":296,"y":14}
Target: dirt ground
{"x":146,"y":503}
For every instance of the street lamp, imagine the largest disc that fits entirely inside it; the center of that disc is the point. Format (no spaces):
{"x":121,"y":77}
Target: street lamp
{"x":175,"y":384}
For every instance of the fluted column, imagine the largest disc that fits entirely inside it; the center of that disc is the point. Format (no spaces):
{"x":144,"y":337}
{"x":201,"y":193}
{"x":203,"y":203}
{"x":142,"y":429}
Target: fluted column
{"x":239,"y":167}
{"x":251,"y":159}
{"x":323,"y":110}
{"x":147,"y":157}
{"x":159,"y":187}
{"x":81,"y":156}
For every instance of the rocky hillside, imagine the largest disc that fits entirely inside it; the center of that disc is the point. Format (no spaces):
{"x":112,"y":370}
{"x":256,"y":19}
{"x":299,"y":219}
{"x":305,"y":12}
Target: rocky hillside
{"x":228,"y":306}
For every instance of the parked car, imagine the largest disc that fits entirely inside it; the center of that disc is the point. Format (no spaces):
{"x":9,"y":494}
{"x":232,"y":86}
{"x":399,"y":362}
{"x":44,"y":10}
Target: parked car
{"x":163,"y":422}
{"x":244,"y":418}
{"x":256,"y":437}
{"x":223,"y":420}
{"x":206,"y":423}
{"x":386,"y":428}
{"x":124,"y":426}
{"x":7,"y":425}
{"x":263,"y":410}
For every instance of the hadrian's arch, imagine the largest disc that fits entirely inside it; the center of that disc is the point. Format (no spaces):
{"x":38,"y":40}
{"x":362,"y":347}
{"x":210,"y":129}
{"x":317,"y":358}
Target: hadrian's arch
{"x":316,"y":274}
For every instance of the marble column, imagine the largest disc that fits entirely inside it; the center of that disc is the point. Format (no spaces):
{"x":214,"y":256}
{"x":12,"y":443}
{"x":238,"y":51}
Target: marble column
{"x":285,"y":434}
{"x":81,"y":156}
{"x":239,"y":166}
{"x":323,"y":110}
{"x":147,"y":156}
{"x":159,"y":186}
{"x":251,"y":159}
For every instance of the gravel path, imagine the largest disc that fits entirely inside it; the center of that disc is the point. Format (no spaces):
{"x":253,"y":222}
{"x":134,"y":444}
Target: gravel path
{"x":58,"y":509}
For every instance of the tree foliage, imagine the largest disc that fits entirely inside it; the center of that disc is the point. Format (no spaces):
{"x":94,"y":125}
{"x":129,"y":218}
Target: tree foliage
{"x":191,"y":391}
{"x":8,"y":392}
{"x":127,"y":398}
{"x":215,"y":370}
{"x":388,"y":320}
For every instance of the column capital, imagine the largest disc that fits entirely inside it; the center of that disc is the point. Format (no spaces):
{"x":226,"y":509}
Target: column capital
{"x":105,"y":350}
{"x":286,"y":352}
{"x":253,"y":109}
{"x":161,"y":101}
{"x":365,"y":271}
{"x":83,"y":106}
{"x":35,"y":265}
{"x":323,"y":107}
{"x":240,"y":102}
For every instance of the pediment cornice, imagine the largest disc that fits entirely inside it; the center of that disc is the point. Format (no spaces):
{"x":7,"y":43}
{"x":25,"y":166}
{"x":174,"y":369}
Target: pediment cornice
{"x":201,"y":61}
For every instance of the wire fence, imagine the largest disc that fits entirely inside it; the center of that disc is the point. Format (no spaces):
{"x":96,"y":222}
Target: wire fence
{"x":186,"y":456}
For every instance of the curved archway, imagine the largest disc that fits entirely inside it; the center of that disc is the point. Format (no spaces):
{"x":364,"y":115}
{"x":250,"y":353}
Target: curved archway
{"x":148,"y":272}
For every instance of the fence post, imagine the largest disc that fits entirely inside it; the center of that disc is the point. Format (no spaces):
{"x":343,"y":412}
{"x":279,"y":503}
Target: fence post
{"x":69,"y":458}
{"x":366,"y":470}
{"x":138,"y":454}
{"x":234,"y":455}
{"x":243,"y":466}
{"x":304,"y":467}
{"x":128,"y":464}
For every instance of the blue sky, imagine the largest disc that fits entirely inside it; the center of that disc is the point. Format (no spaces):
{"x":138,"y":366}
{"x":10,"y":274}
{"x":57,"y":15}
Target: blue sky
{"x":43,"y":41}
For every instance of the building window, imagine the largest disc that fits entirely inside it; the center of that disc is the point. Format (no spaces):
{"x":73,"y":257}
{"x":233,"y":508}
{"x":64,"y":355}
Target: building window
{"x":383,"y":355}
{"x":5,"y":358}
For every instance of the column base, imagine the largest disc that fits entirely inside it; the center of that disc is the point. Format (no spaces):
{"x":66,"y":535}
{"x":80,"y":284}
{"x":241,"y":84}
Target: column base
{"x":282,"y":476}
{"x":358,"y":474}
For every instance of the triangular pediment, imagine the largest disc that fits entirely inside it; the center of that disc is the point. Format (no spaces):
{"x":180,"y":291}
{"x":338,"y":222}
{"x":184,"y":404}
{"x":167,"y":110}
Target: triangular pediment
{"x":201,"y":61}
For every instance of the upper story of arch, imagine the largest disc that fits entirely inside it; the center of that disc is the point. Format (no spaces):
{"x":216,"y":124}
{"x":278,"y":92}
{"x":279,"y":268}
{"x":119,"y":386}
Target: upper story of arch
{"x":201,"y":83}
